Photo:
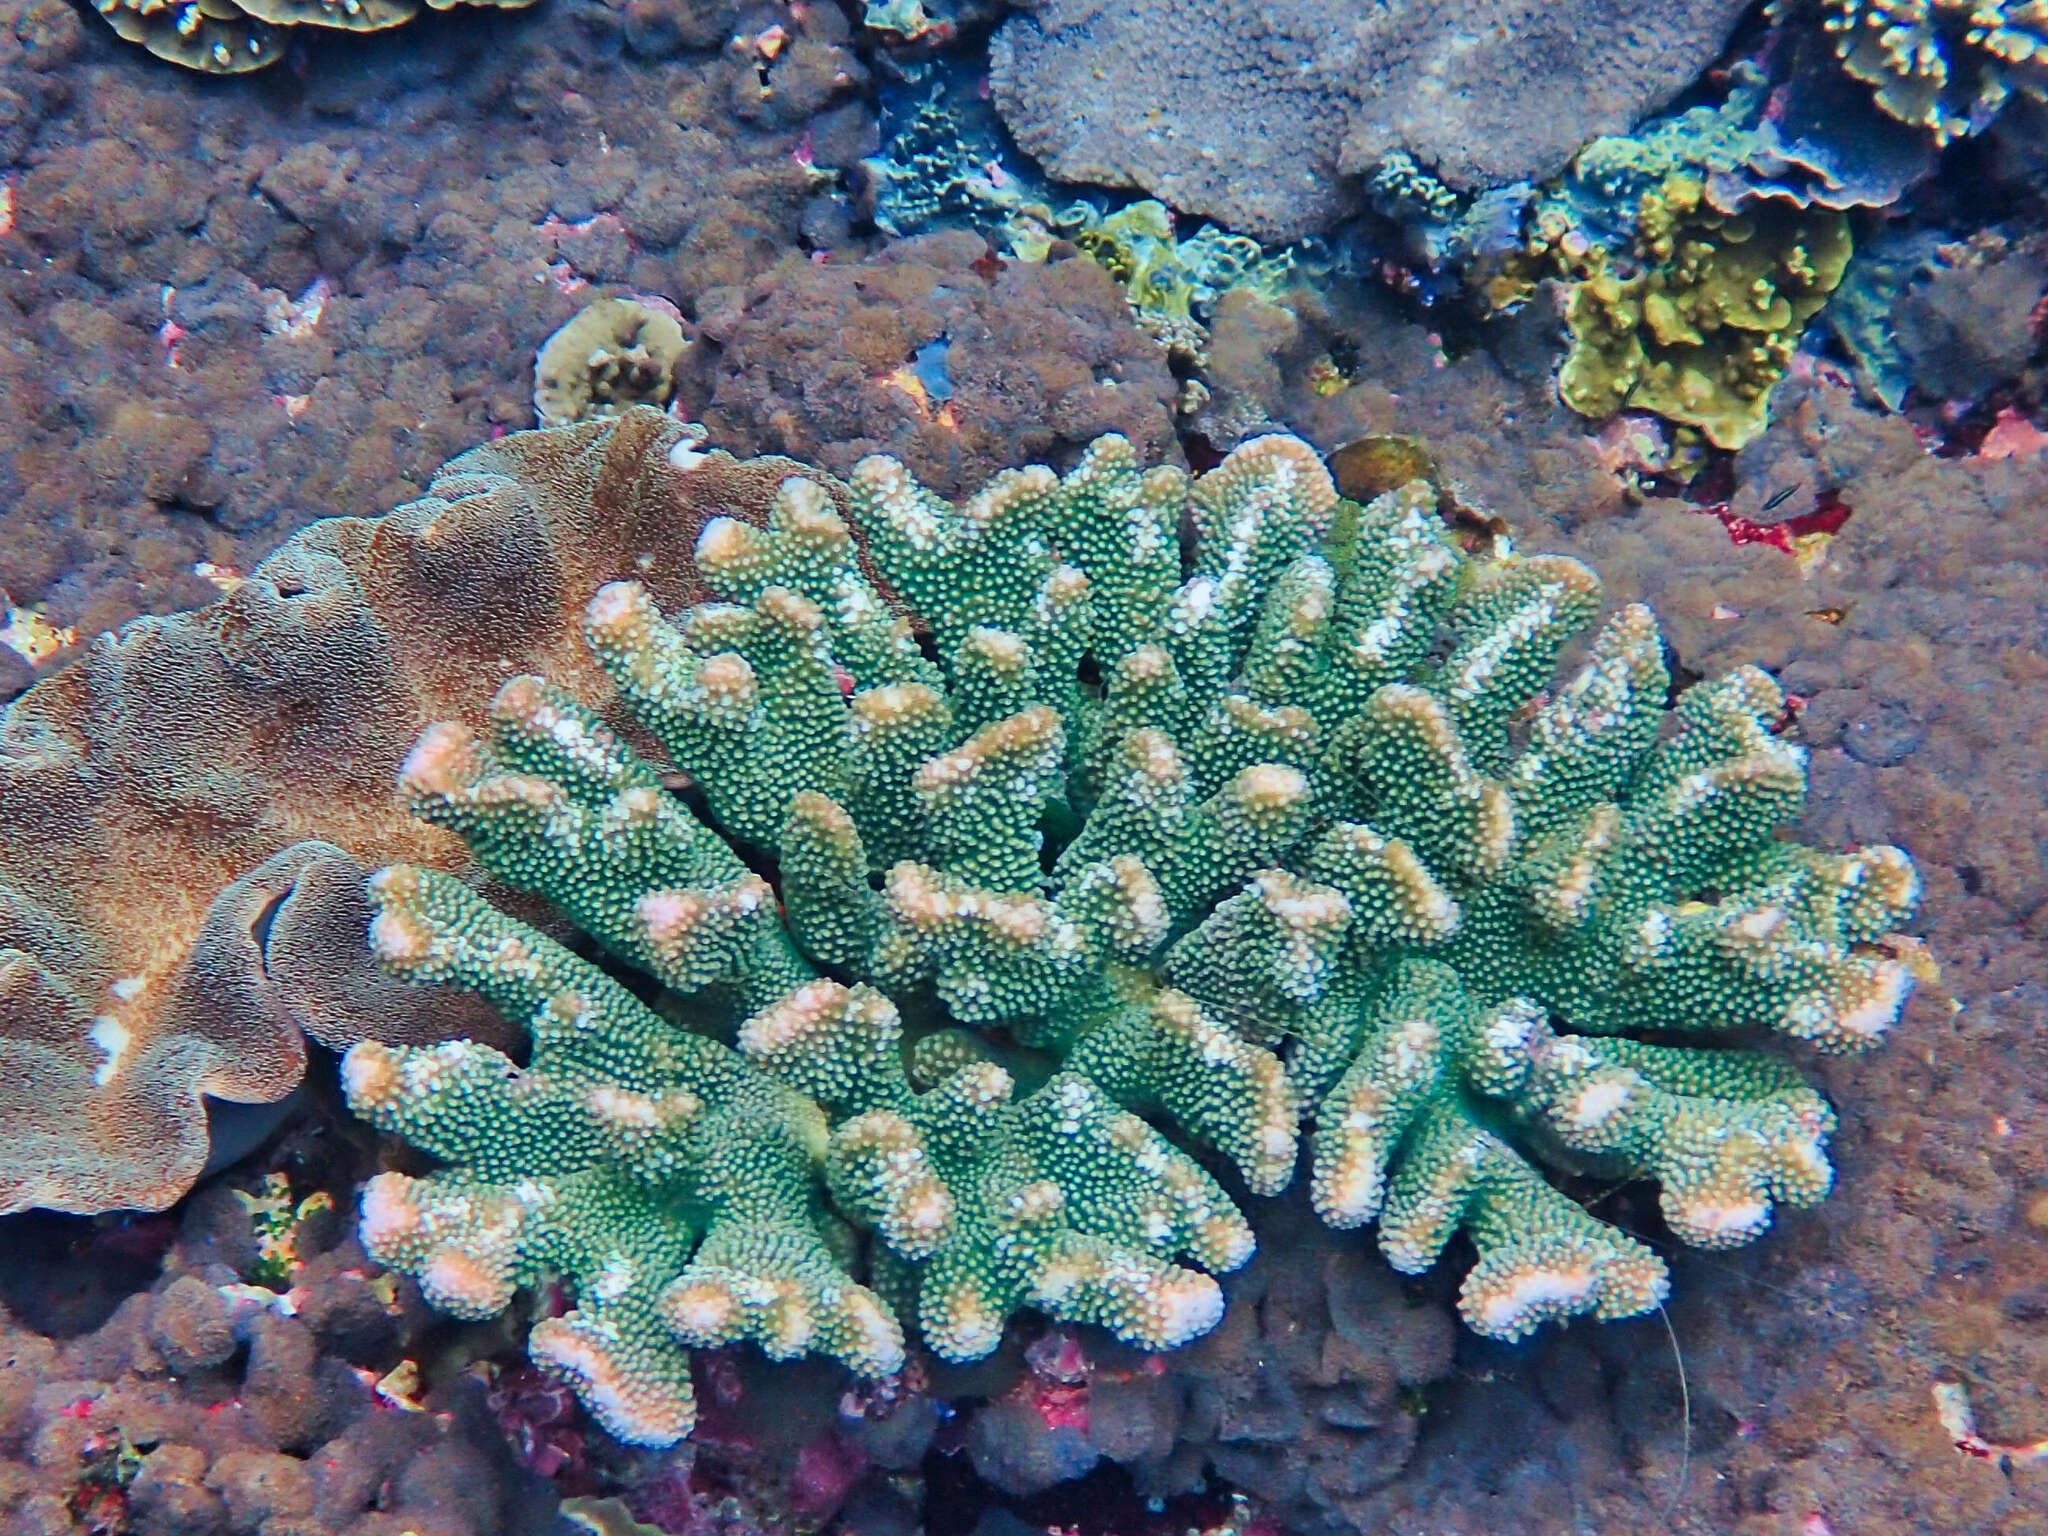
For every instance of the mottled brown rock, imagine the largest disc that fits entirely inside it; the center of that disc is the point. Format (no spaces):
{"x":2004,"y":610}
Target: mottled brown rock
{"x":283,"y":1439}
{"x":259,"y":1486}
{"x":190,"y":1327}
{"x":281,"y":1387}
{"x":186,"y":812}
{"x":230,"y":312}
{"x":934,"y":352}
{"x":169,"y":1496}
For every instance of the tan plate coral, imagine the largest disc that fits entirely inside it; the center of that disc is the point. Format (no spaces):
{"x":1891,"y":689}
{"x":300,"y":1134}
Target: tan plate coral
{"x":185,"y":809}
{"x":232,"y":37}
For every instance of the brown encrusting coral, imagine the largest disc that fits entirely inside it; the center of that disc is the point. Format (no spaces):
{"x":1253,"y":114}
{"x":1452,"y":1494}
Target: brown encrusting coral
{"x":229,"y":308}
{"x":184,"y":812}
{"x":1912,"y":641}
{"x":936,"y":353}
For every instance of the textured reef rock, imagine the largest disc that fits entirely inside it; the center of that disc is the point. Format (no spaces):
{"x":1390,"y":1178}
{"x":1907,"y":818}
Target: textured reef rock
{"x":242,"y":1390}
{"x":231,"y":37}
{"x":1292,"y":826}
{"x":296,"y":311}
{"x":1308,"y":1393}
{"x":1952,"y":319}
{"x":933,"y":352}
{"x":183,"y":810}
{"x":1251,"y":113}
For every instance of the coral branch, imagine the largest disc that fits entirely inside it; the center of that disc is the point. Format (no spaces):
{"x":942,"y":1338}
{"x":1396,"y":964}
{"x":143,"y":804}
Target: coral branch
{"x":1159,"y":861}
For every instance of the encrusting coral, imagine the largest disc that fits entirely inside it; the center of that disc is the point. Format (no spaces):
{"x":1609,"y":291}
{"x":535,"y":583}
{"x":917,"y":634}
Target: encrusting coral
{"x":1706,"y":327}
{"x":1288,"y":826}
{"x":610,"y":356}
{"x":1753,"y":146}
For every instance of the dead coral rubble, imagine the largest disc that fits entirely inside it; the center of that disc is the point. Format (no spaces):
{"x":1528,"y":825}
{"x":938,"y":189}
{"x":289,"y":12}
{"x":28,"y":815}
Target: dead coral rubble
{"x":1251,"y":113}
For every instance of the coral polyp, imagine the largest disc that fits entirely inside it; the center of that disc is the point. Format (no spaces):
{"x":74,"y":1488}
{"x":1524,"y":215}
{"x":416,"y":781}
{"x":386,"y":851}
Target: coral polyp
{"x":987,"y":917}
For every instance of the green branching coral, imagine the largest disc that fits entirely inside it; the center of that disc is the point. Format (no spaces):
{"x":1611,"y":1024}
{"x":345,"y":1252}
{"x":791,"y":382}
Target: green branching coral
{"x":1704,"y":330}
{"x":1132,"y":857}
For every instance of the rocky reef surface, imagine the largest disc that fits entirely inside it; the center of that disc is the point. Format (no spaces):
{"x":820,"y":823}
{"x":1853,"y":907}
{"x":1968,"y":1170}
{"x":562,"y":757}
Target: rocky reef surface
{"x":235,"y":306}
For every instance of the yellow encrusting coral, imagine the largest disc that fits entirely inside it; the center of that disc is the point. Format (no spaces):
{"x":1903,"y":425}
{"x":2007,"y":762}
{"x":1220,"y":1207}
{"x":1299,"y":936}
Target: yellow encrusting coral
{"x":1705,"y":328}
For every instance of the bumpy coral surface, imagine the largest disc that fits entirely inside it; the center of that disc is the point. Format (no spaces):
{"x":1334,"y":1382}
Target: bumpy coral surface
{"x":231,"y":1394}
{"x":611,"y":356}
{"x":933,"y":351}
{"x":298,"y":308}
{"x":1252,"y":113}
{"x":1284,"y":828}
{"x":231,"y":37}
{"x":1309,"y":1392}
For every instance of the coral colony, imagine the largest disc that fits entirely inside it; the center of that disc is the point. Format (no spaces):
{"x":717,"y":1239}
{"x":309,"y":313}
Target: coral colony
{"x":1006,"y":898}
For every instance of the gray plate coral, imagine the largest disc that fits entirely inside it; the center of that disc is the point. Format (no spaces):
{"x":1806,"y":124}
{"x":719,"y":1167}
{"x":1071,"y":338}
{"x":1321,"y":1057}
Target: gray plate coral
{"x":1251,"y":113}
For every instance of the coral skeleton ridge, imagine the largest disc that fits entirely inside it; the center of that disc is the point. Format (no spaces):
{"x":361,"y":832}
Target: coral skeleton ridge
{"x":970,"y":947}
